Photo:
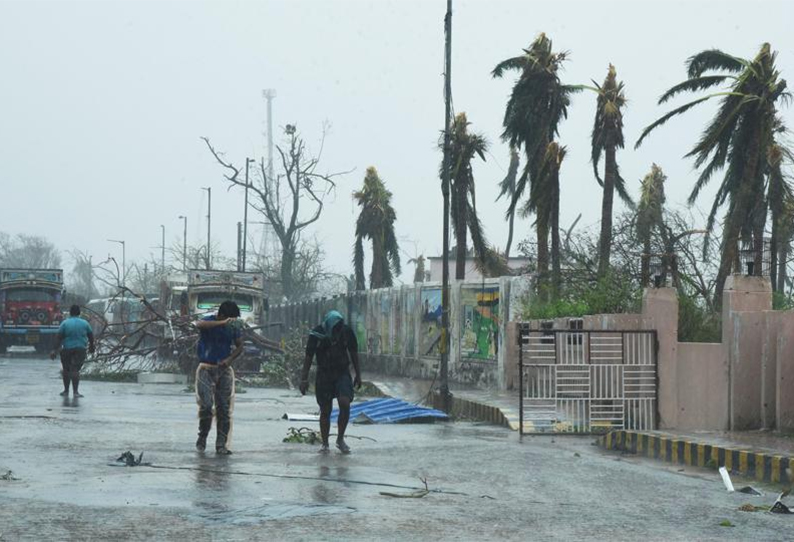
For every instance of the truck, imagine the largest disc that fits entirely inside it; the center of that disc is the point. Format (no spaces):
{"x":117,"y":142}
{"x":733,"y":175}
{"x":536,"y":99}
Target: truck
{"x":206,"y":290}
{"x":173,"y":295}
{"x":30,"y":308}
{"x":200,"y":293}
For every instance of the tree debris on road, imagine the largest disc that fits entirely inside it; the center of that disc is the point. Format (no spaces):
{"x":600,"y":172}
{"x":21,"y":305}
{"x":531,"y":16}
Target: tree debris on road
{"x":418,"y":494}
{"x":8,"y":477}
{"x":130,"y":460}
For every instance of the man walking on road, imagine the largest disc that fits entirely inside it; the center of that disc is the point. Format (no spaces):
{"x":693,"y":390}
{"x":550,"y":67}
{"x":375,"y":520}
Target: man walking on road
{"x":215,"y":376}
{"x":74,"y":335}
{"x":335,"y":345}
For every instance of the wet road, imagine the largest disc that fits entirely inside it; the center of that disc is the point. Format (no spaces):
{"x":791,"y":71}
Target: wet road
{"x":492,"y":485}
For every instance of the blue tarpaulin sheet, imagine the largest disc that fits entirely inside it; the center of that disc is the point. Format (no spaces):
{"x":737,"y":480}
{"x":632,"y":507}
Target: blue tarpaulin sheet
{"x":389,"y":410}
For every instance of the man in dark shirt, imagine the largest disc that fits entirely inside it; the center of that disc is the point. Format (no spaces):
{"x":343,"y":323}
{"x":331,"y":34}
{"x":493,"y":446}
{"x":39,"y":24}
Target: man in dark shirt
{"x":215,"y":376}
{"x":335,"y":346}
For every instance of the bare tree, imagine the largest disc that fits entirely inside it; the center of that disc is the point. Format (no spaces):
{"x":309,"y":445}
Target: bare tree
{"x":291,"y":201}
{"x":28,"y":251}
{"x":82,"y":274}
{"x":309,"y":276}
{"x":197,"y":257}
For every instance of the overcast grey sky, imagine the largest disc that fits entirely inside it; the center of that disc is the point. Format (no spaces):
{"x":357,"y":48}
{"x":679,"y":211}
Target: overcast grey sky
{"x":102,"y":104}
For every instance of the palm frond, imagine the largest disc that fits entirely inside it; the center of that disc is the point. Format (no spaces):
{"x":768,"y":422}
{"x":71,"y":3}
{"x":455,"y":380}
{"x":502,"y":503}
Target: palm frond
{"x":663,"y":119}
{"x":713,"y":60}
{"x":692,"y":85}
{"x":392,"y":249}
{"x":620,"y":188}
{"x":515,"y":63}
{"x":358,"y":263}
{"x":723,"y":124}
{"x":508,"y":185}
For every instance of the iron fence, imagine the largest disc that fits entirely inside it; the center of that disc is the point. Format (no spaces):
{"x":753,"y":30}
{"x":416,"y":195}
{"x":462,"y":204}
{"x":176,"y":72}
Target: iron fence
{"x":587,"y":381}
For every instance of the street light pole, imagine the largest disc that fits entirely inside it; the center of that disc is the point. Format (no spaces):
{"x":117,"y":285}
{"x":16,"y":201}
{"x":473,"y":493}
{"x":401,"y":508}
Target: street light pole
{"x":123,"y":260}
{"x":245,"y":212}
{"x":209,"y":224}
{"x":444,"y":345}
{"x":269,"y":94}
{"x":90,"y":277}
{"x":184,"y":243}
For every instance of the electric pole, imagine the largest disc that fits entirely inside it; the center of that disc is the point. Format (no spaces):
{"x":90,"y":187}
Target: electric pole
{"x":245,"y":212}
{"x":268,"y":94}
{"x":123,"y":261}
{"x":162,"y":253}
{"x":90,"y":277}
{"x":444,"y":344}
{"x":239,"y":246}
{"x":209,"y":224}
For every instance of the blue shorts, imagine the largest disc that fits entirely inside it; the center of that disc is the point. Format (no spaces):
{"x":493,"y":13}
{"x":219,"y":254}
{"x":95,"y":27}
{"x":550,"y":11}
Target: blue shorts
{"x":328,"y":387}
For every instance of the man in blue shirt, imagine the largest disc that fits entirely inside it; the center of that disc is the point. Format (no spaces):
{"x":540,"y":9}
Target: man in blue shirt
{"x":74,"y":335}
{"x":215,"y":376}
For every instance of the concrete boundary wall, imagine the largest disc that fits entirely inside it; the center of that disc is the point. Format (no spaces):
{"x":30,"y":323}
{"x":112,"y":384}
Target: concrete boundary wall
{"x":399,"y":329}
{"x":744,"y":382}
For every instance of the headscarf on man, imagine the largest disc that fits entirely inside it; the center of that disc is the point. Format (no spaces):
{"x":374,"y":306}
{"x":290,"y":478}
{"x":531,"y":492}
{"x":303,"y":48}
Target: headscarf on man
{"x":332,"y":318}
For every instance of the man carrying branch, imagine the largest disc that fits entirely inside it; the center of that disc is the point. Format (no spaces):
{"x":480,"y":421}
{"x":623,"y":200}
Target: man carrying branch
{"x":335,"y":345}
{"x":215,"y":376}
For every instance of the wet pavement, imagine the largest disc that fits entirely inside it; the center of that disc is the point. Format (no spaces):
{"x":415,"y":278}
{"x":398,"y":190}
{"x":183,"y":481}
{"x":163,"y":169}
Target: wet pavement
{"x":485,"y":482}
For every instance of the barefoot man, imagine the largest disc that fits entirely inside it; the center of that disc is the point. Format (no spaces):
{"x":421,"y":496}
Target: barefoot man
{"x":220,"y":343}
{"x":335,"y":345}
{"x":74,"y":336}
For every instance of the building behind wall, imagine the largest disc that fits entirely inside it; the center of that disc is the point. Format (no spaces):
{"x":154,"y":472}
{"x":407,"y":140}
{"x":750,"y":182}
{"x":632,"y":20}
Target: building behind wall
{"x":515,"y":263}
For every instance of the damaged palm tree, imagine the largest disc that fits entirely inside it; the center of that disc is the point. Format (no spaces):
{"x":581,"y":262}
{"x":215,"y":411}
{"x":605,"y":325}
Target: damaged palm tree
{"x":464,"y":147}
{"x":376,"y":222}
{"x":739,"y":140}
{"x":537,"y":105}
{"x":607,"y":138}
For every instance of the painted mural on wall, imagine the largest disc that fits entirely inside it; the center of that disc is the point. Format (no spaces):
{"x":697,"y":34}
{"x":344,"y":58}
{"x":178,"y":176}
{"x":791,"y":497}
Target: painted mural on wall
{"x":430,"y":328}
{"x":480,"y":325}
{"x":410,"y":319}
{"x":358,"y":320}
{"x":384,"y":322}
{"x":396,"y":321}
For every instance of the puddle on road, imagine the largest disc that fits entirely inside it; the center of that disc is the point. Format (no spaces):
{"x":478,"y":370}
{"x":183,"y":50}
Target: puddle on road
{"x":215,"y":513}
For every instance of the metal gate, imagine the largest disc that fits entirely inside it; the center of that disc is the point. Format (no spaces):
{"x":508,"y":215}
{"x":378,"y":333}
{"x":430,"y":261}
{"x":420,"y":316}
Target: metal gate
{"x":587,"y":381}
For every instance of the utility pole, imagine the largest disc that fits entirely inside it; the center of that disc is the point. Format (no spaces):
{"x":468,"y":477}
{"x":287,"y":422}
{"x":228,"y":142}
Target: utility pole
{"x":123,"y":261}
{"x":90,"y":277}
{"x":269,"y":94}
{"x":239,"y":246}
{"x":184,"y":243}
{"x":209,"y":225}
{"x":245,"y":212}
{"x":162,"y":252}
{"x":444,"y":345}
